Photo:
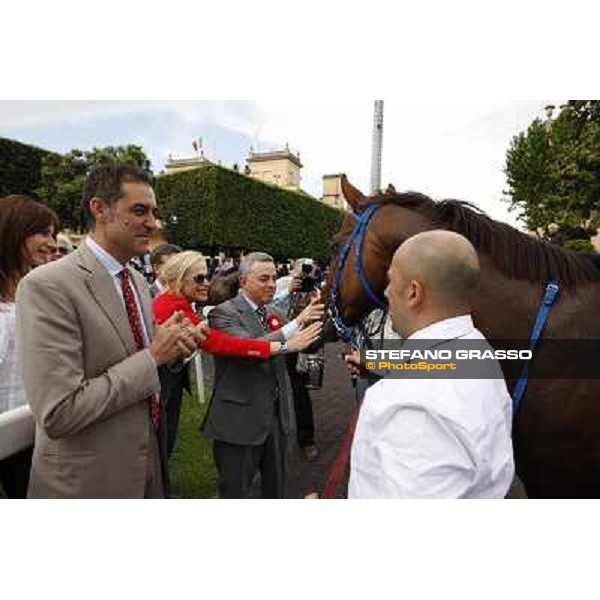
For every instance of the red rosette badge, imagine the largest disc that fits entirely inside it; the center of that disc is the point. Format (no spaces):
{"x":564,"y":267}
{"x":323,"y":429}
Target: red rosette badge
{"x":274,"y":323}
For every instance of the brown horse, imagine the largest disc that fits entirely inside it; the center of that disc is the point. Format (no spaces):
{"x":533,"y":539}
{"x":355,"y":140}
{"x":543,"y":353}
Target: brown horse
{"x":556,"y":430}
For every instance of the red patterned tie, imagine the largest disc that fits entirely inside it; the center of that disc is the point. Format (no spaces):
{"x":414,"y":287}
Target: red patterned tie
{"x":136,"y":328}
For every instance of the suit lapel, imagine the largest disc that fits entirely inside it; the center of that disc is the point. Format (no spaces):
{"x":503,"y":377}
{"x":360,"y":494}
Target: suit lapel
{"x":102,"y":289}
{"x":248,"y":316}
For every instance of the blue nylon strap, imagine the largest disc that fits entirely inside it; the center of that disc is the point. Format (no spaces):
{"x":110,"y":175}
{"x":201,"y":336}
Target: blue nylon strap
{"x":360,"y":237}
{"x":357,"y":237}
{"x":546,"y":305}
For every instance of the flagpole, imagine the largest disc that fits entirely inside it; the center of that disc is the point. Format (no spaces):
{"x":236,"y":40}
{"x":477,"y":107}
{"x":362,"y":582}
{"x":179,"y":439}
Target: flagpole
{"x":377,"y":143}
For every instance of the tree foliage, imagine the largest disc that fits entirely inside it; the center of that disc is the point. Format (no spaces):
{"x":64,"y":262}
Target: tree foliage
{"x":20,"y":167}
{"x":63,"y":176}
{"x":214,"y":209}
{"x":553,"y":172}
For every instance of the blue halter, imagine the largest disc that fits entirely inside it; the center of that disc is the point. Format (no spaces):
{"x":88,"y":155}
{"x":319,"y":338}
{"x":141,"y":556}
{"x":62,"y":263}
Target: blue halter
{"x":357,"y":238}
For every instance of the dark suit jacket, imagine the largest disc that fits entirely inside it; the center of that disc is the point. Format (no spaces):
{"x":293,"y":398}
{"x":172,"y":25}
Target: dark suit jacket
{"x":246,"y":391}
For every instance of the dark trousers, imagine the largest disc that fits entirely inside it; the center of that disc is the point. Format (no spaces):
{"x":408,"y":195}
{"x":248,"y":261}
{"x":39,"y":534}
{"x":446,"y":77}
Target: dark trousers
{"x":14,"y":473}
{"x":237,"y":466}
{"x":172,"y":384}
{"x":305,"y":425}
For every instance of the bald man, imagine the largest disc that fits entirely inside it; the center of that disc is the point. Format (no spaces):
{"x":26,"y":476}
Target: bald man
{"x":433,"y":437}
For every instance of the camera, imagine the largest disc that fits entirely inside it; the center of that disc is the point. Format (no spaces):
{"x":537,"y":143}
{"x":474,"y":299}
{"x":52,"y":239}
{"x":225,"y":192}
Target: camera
{"x":312,"y":366}
{"x":308,"y":281}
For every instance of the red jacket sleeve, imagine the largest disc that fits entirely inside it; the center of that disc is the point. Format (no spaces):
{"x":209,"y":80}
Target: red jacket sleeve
{"x":217,"y":342}
{"x":221,"y":343}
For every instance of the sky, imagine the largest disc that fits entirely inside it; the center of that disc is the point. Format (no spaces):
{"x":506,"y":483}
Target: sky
{"x":450,"y":148}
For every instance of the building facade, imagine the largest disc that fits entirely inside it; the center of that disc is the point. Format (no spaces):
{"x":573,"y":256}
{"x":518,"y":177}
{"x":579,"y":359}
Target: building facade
{"x":281,"y":168}
{"x":332,"y":192}
{"x":176,"y":165}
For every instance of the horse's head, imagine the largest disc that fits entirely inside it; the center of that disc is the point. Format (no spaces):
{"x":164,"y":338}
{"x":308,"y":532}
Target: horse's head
{"x":387,"y":220}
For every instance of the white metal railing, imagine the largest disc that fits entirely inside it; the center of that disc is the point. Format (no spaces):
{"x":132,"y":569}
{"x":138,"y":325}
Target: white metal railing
{"x":17,"y":431}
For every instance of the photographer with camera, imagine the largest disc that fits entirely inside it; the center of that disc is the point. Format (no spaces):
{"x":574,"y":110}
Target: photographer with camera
{"x":305,"y":369}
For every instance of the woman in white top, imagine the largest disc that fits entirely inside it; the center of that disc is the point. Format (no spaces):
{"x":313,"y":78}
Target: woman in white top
{"x":28,"y":231}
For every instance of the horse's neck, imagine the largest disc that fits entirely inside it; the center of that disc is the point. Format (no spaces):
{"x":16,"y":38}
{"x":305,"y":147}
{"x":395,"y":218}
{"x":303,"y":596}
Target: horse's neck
{"x":507,"y":309}
{"x":504,"y":308}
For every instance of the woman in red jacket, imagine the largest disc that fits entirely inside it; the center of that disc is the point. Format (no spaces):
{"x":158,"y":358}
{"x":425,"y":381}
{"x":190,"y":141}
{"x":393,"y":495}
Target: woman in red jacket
{"x":186,"y":281}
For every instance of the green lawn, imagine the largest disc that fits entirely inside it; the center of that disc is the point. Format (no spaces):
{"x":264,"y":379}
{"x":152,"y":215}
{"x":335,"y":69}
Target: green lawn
{"x":192,"y":469}
{"x":193,"y":472}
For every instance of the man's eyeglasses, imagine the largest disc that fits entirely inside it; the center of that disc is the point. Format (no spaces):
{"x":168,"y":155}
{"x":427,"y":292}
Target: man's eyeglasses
{"x":200,"y":279}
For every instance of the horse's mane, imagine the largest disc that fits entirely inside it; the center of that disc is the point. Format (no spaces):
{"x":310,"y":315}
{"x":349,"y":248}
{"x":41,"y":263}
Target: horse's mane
{"x":514,"y":253}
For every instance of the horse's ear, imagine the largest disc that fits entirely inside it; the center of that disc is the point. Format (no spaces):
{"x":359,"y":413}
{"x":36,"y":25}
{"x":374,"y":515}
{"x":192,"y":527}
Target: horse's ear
{"x":355,"y":197}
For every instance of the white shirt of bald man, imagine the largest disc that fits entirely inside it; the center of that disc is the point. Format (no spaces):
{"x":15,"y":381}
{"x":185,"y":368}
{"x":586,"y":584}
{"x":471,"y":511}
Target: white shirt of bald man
{"x":434,"y":438}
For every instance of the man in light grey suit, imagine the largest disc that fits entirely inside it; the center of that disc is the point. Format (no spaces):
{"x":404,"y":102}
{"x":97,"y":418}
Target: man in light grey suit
{"x":251,"y":414}
{"x":90,"y":352}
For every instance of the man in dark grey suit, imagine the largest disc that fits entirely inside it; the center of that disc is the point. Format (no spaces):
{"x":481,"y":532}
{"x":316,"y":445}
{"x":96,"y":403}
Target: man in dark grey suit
{"x":251,"y":415}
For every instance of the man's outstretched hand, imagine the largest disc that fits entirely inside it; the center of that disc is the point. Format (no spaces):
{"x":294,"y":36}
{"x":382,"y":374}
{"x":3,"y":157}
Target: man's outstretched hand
{"x":305,"y":337}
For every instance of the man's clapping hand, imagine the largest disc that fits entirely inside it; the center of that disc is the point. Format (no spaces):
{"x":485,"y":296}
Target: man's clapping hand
{"x":174,"y":339}
{"x":201,"y":333}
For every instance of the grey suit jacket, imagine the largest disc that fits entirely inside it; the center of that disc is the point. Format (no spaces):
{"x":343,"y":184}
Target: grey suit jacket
{"x":86,"y":383}
{"x":246,"y":391}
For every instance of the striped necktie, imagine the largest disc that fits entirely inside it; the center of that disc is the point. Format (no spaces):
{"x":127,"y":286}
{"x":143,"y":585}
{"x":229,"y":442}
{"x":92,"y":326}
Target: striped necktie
{"x":261,"y":312}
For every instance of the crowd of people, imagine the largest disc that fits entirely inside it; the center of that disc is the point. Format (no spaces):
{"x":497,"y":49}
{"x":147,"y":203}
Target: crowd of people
{"x":96,"y":361}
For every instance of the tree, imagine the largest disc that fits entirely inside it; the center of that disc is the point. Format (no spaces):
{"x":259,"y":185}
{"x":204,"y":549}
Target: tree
{"x":528,"y":169}
{"x":63,"y":177}
{"x":20,"y":167}
{"x":553,"y":172}
{"x":213,"y":209}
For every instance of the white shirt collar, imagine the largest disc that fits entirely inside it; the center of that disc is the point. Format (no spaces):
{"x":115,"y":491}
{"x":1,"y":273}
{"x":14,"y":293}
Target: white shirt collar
{"x":113,"y":266}
{"x":446,"y":329}
{"x":252,"y":304}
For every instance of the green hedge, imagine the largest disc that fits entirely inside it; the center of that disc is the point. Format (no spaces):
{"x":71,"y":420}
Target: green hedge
{"x":20,"y":167}
{"x":218,"y":209}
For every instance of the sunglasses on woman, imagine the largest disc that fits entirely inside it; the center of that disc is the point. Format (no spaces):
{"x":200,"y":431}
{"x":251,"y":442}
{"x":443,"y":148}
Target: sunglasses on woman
{"x":200,"y":279}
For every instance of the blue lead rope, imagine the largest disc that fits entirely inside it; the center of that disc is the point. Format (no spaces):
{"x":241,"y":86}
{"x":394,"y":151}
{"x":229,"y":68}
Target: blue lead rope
{"x":545,"y":307}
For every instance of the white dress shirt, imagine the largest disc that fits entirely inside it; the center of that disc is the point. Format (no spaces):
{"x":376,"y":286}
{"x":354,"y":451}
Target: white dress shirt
{"x":434,"y":438}
{"x":114,"y":267}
